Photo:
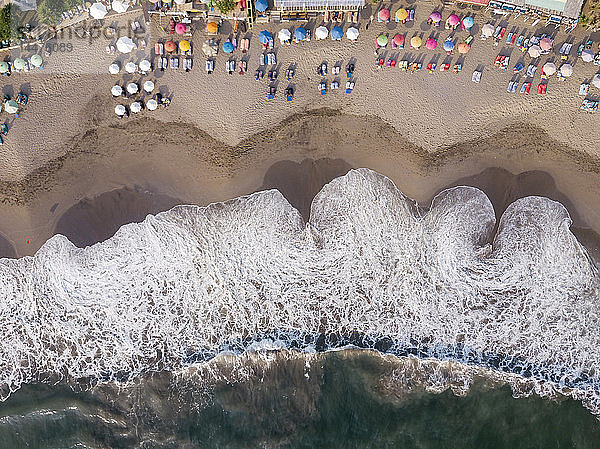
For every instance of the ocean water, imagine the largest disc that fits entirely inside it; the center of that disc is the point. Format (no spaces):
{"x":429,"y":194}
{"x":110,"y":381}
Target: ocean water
{"x":458,"y":298}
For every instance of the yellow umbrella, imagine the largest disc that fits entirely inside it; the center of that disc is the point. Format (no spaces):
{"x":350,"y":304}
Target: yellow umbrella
{"x":401,"y":14}
{"x":184,"y":45}
{"x":212,"y":27}
{"x":416,"y":42}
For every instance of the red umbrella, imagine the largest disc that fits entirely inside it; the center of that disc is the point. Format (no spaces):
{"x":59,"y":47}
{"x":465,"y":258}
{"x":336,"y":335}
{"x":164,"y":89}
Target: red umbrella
{"x":546,"y":44}
{"x":170,"y":46}
{"x":399,"y":39}
{"x":384,"y":15}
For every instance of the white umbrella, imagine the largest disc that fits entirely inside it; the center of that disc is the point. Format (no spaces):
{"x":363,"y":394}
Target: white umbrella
{"x":116,"y":90}
{"x":114,"y":68}
{"x":130,"y":67}
{"x":566,"y":70}
{"x":119,"y":7}
{"x":136,"y":107}
{"x":352,"y":33}
{"x":487,"y":30}
{"x":284,"y":35}
{"x":321,"y":32}
{"x":125,"y":44}
{"x":549,"y":68}
{"x":120,"y":109}
{"x":587,"y":55}
{"x":148,"y":86}
{"x":98,"y":11}
{"x":596,"y":80}
{"x":12,"y":107}
{"x":145,"y":65}
{"x":132,"y":88}
{"x":535,"y":51}
{"x":151,"y":104}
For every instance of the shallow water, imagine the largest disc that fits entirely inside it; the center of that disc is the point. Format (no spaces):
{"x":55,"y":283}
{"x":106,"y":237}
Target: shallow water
{"x":342,"y":404}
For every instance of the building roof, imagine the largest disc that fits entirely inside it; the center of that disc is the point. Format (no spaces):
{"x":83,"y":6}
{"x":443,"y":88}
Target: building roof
{"x":552,"y":5}
{"x":25,"y":5}
{"x":308,"y":4}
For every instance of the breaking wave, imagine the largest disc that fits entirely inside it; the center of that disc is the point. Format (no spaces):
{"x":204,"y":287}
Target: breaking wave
{"x":370,"y":269}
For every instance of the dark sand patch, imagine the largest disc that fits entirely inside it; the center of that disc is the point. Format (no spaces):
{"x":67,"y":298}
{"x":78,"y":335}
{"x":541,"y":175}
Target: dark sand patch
{"x":6,"y":249}
{"x":95,"y":220}
{"x":299,"y":182}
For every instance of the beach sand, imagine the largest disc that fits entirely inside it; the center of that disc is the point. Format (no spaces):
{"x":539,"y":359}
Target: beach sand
{"x":220,"y":138}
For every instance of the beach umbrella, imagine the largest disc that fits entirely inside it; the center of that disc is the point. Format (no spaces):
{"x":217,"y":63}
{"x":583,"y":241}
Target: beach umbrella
{"x":181,"y":28}
{"x":448,"y":45}
{"x":170,"y":46}
{"x":487,"y":30}
{"x":300,"y":33}
{"x":132,"y":88}
{"x":116,"y":90}
{"x":3,"y":67}
{"x":212,"y":27}
{"x":534,"y":51}
{"x":352,"y":33}
{"x":382,"y":40}
{"x":384,"y":15}
{"x":566,"y":70}
{"x":98,"y":11}
{"x":209,"y":50}
{"x":284,"y":35}
{"x":11,"y":106}
{"x":135,"y":107}
{"x":430,"y":44}
{"x":145,"y":65}
{"x":468,"y":22}
{"x":463,"y":48}
{"x":435,"y":16}
{"x":416,"y":42}
{"x":549,"y":68}
{"x":264,"y":37}
{"x":321,"y":32}
{"x":401,"y":14}
{"x":148,"y":86}
{"x":587,"y":55}
{"x":595,"y":82}
{"x":151,"y":104}
{"x":36,"y":60}
{"x":453,"y":20}
{"x":337,"y":33}
{"x":119,"y":7}
{"x":184,"y":45}
{"x":130,"y":67}
{"x":125,"y":44}
{"x":227,"y":47}
{"x":546,"y":44}
{"x":19,"y":64}
{"x":120,"y":110}
{"x":398,"y":39}
{"x":261,"y":5}
{"x":114,"y":68}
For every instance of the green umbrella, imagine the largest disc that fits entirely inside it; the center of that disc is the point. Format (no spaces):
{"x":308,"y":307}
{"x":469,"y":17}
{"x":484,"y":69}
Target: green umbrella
{"x":36,"y":60}
{"x":11,"y":106}
{"x":3,"y":66}
{"x":382,"y":40}
{"x":19,"y":64}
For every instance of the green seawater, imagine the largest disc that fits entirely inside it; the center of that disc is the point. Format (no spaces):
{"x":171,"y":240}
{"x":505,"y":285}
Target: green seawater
{"x":340,"y":405}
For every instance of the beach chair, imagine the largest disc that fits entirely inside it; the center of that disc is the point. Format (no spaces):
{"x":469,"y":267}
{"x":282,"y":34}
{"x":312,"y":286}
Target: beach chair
{"x":431,"y":67}
{"x":272,"y":75}
{"x":289,"y":94}
{"x":520,"y":40}
{"x":509,"y":38}
{"x":518,"y":67}
{"x":323,"y":87}
{"x":349,"y":70}
{"x":445,"y":67}
{"x":335,"y":85}
{"x":584,"y":88}
{"x":457,"y":68}
{"x":510,"y":86}
{"x":262,"y":59}
{"x":349,"y":87}
{"x":243,"y":67}
{"x":380,"y":62}
{"x":505,"y":63}
{"x":531,"y":69}
{"x":271,"y":92}
{"x":525,"y":45}
{"x":469,"y":39}
{"x":476,"y":78}
{"x":542,"y":89}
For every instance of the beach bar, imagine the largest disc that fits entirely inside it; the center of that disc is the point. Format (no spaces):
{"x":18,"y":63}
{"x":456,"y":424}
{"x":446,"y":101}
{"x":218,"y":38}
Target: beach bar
{"x":318,"y":5}
{"x":553,"y":10}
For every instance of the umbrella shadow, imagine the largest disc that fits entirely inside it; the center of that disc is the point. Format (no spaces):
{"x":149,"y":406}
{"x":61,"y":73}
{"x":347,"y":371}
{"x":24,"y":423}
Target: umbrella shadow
{"x":447,"y":60}
{"x":425,"y":26}
{"x":25,"y":88}
{"x":435,"y":58}
{"x":8,"y":90}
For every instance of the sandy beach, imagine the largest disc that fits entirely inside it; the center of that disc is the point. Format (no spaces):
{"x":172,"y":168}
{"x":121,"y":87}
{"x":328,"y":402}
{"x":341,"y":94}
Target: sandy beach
{"x":220,"y":138}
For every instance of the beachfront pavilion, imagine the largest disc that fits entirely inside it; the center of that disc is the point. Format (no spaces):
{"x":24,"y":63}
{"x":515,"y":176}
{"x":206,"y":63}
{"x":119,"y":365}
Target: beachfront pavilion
{"x":286,"y":6}
{"x":553,"y":8}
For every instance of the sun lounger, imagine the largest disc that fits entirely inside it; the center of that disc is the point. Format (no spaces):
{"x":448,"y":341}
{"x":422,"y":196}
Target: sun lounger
{"x":525,"y":45}
{"x":518,"y":67}
{"x":335,"y":85}
{"x":584,"y":88}
{"x":542,"y":89}
{"x":457,"y":68}
{"x":174,"y":62}
{"x":289,"y":94}
{"x":512,"y":87}
{"x":349,"y":70}
{"x":531,"y":70}
{"x":323,"y":87}
{"x":469,"y":39}
{"x":431,"y":67}
{"x":525,"y":87}
{"x":445,"y":67}
{"x":505,"y":63}
{"x":476,"y":78}
{"x":349,"y":87}
{"x":597,"y":59}
{"x":520,"y":40}
{"x":271,"y":92}
{"x":589,"y":105}
{"x":509,"y":38}
{"x":272,"y":75}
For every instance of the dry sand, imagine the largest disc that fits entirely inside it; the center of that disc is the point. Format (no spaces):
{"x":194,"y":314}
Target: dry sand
{"x":220,"y":138}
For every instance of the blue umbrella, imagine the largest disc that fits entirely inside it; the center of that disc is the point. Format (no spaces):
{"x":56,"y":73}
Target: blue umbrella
{"x":265,"y":37}
{"x":337,"y":33}
{"x":261,"y":5}
{"x":468,"y":22}
{"x":227,"y":47}
{"x":300,"y":34}
{"x":448,"y":45}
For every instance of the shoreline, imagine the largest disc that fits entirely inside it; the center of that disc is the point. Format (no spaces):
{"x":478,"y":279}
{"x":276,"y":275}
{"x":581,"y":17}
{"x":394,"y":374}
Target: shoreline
{"x":297,"y":156}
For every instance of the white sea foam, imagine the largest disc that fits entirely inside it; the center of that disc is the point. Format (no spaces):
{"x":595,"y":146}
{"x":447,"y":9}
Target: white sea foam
{"x":368,"y":265}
